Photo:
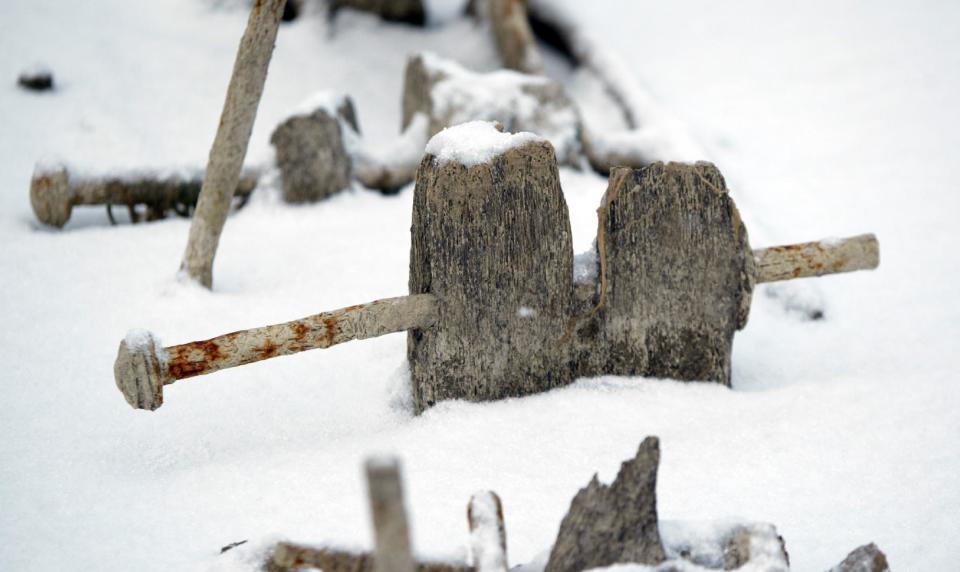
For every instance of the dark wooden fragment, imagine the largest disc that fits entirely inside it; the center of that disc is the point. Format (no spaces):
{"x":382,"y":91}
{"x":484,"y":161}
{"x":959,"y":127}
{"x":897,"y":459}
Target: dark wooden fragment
{"x":492,"y":243}
{"x":613,"y":524}
{"x":405,"y":11}
{"x":676,"y":275}
{"x":867,"y":558}
{"x":311,"y":155}
{"x":288,"y":557}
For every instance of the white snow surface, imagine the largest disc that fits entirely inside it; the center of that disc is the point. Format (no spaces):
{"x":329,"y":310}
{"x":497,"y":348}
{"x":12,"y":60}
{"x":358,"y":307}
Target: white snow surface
{"x":475,"y":142}
{"x":827,"y":119}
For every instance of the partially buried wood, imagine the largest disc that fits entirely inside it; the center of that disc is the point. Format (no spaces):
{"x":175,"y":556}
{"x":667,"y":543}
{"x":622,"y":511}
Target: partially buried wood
{"x":311,"y":152}
{"x":54,"y":191}
{"x":230,"y":144}
{"x":406,"y":11}
{"x":491,"y":240}
{"x":867,"y":558}
{"x":613,"y":524}
{"x":676,"y":275}
{"x":449,"y":94}
{"x":289,"y":557}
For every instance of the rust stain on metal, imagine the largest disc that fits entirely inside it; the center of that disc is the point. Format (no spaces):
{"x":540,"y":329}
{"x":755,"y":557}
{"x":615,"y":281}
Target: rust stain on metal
{"x":353,"y":308}
{"x":300,"y":331}
{"x":267,"y":350}
{"x":182,"y":365}
{"x":330,"y":329}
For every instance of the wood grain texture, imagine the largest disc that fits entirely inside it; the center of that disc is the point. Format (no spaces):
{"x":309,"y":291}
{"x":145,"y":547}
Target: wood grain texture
{"x":613,"y":524}
{"x":676,"y":275}
{"x":392,"y":551}
{"x":233,"y":135}
{"x":492,"y":243}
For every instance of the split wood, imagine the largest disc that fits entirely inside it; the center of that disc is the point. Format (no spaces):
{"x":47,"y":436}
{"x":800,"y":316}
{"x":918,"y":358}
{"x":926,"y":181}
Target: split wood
{"x":233,"y":135}
{"x":142,"y":369}
{"x":54,"y":192}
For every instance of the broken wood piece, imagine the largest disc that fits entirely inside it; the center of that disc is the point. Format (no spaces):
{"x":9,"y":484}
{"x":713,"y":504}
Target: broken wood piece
{"x":54,"y":191}
{"x":818,"y":258}
{"x":392,"y":552}
{"x":449,"y":94}
{"x":513,"y":36}
{"x":491,"y":240}
{"x":616,"y":523}
{"x":143,"y":367}
{"x":488,"y":535}
{"x":866,"y":558}
{"x":289,"y":557}
{"x":230,"y":144}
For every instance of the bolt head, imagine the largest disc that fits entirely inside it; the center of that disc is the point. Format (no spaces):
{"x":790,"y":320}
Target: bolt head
{"x":137,"y":371}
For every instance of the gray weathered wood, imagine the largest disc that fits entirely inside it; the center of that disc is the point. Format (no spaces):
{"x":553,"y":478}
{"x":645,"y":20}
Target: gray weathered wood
{"x":392,"y":552}
{"x":675,"y":275}
{"x":867,"y":558}
{"x":488,"y":534}
{"x":513,"y":36}
{"x":818,"y":258}
{"x":311,"y":154}
{"x":233,"y":135}
{"x":613,"y":524}
{"x":142,"y":369}
{"x":492,"y":243}
{"x":288,"y":557}
{"x":54,"y":191}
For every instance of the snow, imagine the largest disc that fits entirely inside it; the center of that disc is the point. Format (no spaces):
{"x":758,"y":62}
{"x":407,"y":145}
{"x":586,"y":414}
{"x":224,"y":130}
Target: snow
{"x":840,"y":431}
{"x":475,"y":142}
{"x":325,"y":100}
{"x":485,"y":547}
{"x":502,"y":95}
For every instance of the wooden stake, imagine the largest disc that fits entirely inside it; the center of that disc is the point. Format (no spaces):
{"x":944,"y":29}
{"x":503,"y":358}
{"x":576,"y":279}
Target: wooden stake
{"x":392,"y":552}
{"x":233,"y":135}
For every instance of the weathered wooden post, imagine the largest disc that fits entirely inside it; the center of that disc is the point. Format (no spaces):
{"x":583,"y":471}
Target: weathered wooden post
{"x":54,"y":191}
{"x":491,"y":240}
{"x":392,"y":552}
{"x":233,"y":134}
{"x":492,"y":310}
{"x":513,"y":36}
{"x":679,"y":324}
{"x":312,"y":153}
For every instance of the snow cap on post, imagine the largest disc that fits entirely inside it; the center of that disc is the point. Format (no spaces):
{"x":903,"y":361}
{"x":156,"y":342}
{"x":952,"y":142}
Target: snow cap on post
{"x":490,"y":236}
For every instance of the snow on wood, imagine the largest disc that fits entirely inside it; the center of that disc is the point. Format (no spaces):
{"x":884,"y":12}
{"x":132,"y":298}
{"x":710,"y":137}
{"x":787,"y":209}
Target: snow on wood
{"x":488,"y":534}
{"x":488,"y":239}
{"x":450,"y":94}
{"x":233,"y":135}
{"x":56,"y":188}
{"x":475,"y":142}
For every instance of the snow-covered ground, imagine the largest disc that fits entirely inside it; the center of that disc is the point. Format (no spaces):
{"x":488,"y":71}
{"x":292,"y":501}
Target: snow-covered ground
{"x":827,"y":119}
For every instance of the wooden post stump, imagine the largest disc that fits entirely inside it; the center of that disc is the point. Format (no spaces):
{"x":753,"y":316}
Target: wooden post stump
{"x":492,"y":242}
{"x":312,"y":154}
{"x":676,"y":274}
